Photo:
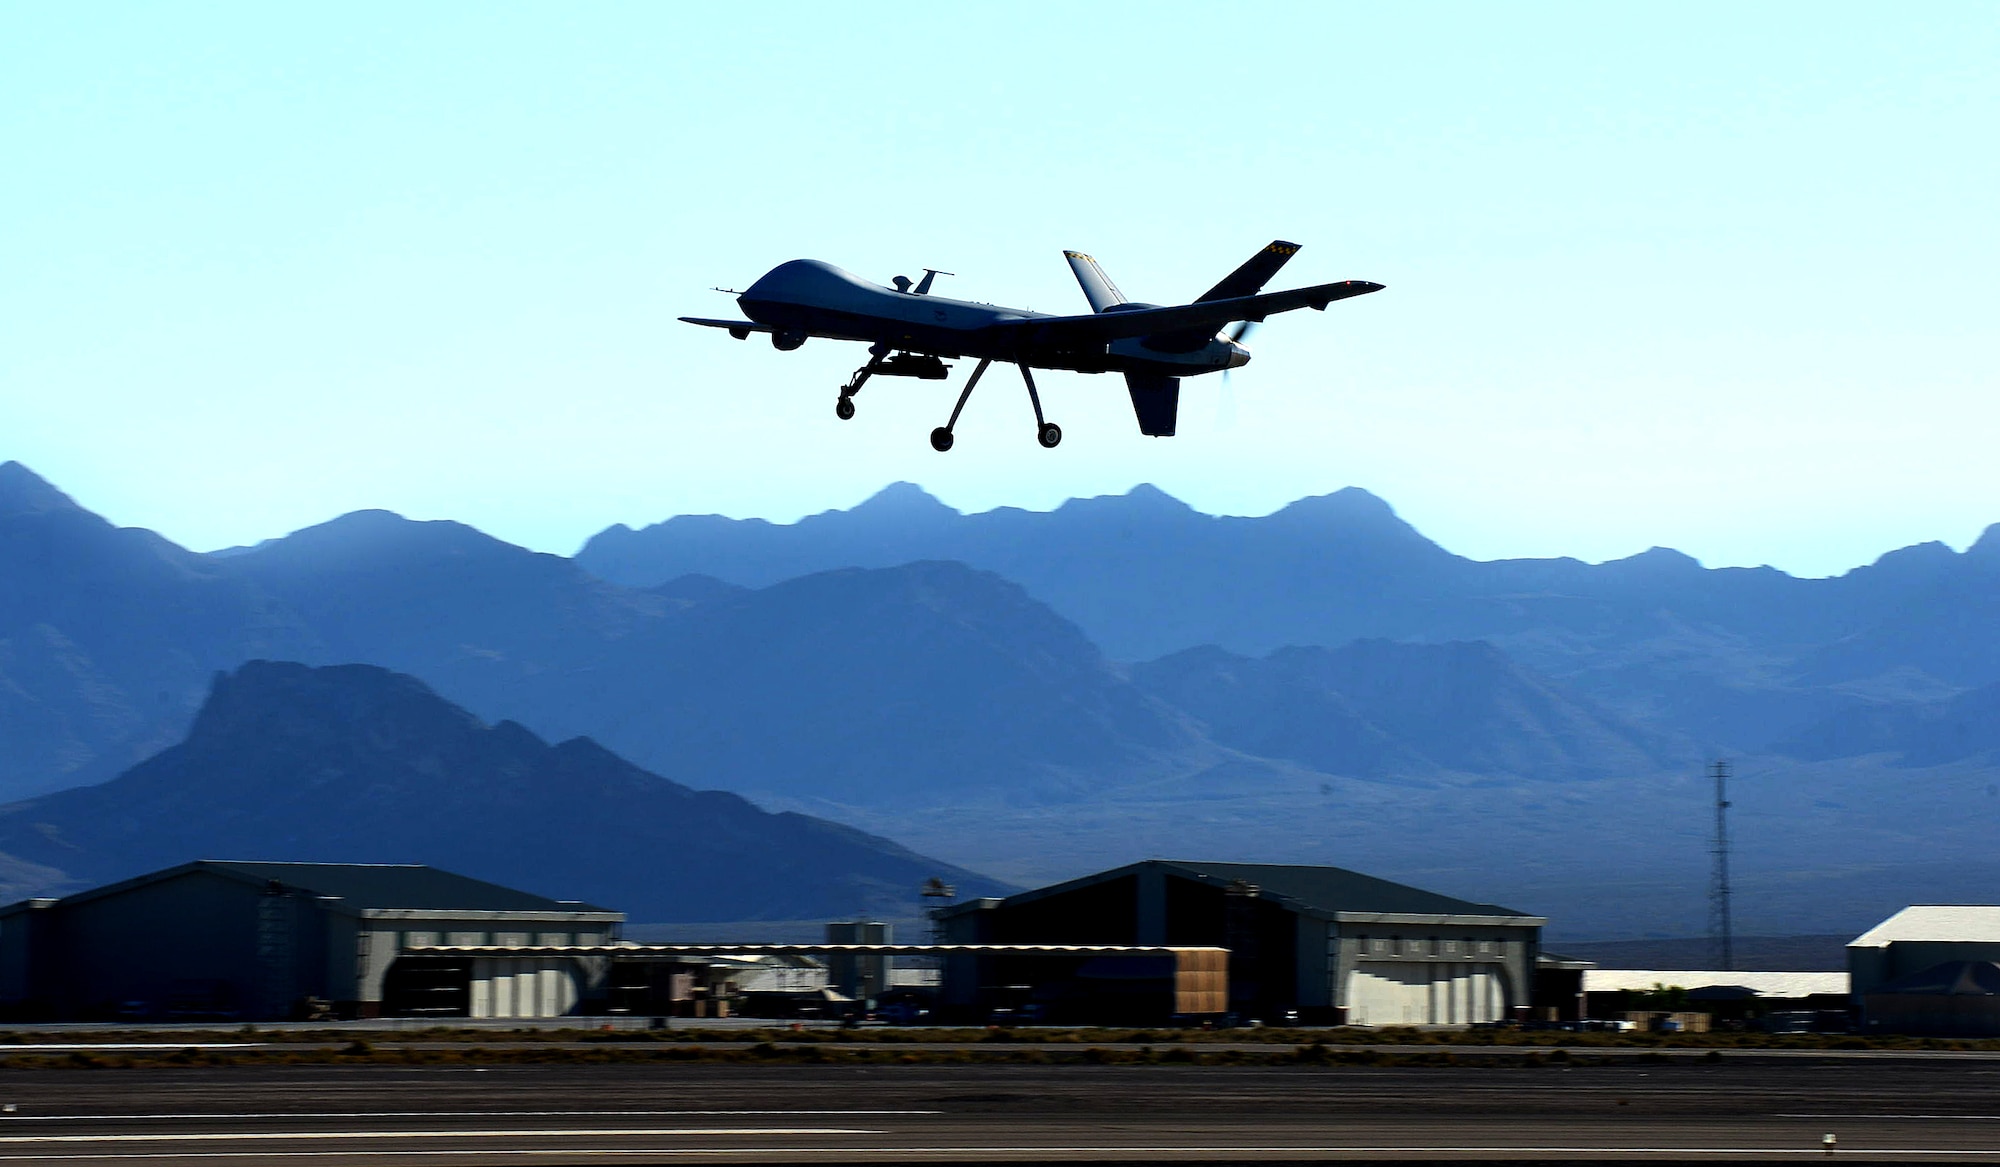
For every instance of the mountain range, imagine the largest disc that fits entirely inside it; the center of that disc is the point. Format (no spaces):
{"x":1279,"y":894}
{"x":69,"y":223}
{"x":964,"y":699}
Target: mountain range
{"x":353,"y":763}
{"x":922,"y":683}
{"x":1387,"y":710}
{"x":1038,"y":694}
{"x":1734,"y":658}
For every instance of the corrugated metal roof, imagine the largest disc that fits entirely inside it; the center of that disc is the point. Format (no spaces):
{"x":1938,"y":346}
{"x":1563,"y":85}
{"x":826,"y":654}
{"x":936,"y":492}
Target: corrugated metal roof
{"x":1764,"y":984}
{"x":398,"y":885}
{"x":1336,"y":889}
{"x":1975,"y":923}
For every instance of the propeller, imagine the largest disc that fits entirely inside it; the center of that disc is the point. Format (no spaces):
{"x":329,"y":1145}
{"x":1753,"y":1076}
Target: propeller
{"x":1225,"y":406}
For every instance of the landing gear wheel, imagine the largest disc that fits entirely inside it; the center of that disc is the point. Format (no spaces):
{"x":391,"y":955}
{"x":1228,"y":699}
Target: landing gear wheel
{"x":844,"y":408}
{"x":940,"y":439}
{"x":1050,"y":435}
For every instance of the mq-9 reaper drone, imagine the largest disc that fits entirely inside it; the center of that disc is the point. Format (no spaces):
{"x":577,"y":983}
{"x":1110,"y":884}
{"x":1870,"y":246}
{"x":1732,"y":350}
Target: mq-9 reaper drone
{"x":911,"y":333}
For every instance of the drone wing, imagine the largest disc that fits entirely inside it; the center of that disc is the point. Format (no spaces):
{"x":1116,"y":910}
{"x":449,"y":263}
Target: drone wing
{"x":740,"y":329}
{"x":1068,"y":332}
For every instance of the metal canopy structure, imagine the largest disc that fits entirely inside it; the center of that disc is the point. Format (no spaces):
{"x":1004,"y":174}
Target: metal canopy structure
{"x":1157,"y":979}
{"x":687,"y":951}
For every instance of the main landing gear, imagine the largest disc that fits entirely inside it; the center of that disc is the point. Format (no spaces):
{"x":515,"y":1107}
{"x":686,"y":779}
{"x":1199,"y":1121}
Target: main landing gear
{"x":1048,"y":433}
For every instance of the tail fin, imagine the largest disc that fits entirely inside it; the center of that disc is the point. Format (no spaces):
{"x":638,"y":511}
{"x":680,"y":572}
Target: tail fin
{"x":1097,"y":287}
{"x":1256,"y":271}
{"x":1157,"y":402}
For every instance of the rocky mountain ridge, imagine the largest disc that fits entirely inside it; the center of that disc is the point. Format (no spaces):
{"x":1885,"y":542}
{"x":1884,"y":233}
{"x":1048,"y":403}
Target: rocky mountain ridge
{"x":356,"y":764}
{"x":1732,"y":658}
{"x":959,"y":710}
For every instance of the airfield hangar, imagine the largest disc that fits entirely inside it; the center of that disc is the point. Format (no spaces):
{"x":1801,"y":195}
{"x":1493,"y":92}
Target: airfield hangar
{"x":275,"y":940}
{"x":1335,"y":946}
{"x":1931,"y":970}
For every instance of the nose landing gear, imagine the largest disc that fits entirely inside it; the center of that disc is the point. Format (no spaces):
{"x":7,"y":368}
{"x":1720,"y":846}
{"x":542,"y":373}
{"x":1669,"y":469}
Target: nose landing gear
{"x":844,"y":407}
{"x":881,"y":363}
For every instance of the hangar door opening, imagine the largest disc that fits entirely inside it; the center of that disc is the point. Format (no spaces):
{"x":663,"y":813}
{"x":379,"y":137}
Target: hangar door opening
{"x":427,"y":986}
{"x":1412,"y":993}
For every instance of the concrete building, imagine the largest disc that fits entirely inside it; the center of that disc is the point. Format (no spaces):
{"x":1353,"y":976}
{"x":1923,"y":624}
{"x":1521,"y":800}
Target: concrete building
{"x":272,"y":940}
{"x":1329,"y":944}
{"x":862,"y":978}
{"x":1929,"y":969}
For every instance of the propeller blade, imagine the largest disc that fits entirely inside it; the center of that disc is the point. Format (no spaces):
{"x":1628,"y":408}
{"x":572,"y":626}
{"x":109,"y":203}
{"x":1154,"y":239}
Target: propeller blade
{"x":1225,"y":404}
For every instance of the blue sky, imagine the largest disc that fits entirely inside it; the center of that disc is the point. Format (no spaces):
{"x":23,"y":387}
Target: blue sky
{"x":1720,"y":277}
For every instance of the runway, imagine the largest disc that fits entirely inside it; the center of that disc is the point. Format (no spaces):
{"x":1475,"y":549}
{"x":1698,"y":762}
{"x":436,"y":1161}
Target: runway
{"x":647,"y":1113}
{"x":1004,"y":1050}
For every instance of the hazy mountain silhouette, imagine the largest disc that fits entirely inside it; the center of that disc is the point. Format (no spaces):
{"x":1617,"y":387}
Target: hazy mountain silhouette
{"x":921,"y":682}
{"x":924,"y":681}
{"x":1142,"y":573}
{"x":1732,"y":657}
{"x":928,"y":683}
{"x":358,"y":764}
{"x":1370,"y":688}
{"x":1936,"y":613}
{"x":492,"y":625}
{"x":1379,"y":709}
{"x":108,"y":637}
{"x":916,"y":684}
{"x":1926,"y":733}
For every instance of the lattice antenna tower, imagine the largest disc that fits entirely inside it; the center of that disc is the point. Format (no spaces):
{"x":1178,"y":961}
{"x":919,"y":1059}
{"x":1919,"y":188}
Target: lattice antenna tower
{"x":937,"y":891}
{"x":1719,"y":924}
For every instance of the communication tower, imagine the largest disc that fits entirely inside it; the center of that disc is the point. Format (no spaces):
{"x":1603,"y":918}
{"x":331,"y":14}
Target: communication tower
{"x":940,"y":893}
{"x":1719,"y":927}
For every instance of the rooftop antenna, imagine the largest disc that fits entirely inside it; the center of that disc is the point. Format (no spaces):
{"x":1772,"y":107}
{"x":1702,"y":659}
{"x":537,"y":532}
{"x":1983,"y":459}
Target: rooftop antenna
{"x":1718,"y":893}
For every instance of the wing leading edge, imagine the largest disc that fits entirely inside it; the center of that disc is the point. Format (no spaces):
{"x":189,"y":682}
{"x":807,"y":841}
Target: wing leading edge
{"x":1074,"y":331}
{"x":740,"y":329}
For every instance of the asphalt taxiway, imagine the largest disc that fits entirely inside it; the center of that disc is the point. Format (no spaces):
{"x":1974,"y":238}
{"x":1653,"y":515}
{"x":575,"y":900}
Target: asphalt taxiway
{"x":1931,"y":1111}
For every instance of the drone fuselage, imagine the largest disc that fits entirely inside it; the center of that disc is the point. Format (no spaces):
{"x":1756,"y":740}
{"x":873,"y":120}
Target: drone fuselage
{"x":806,"y":297}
